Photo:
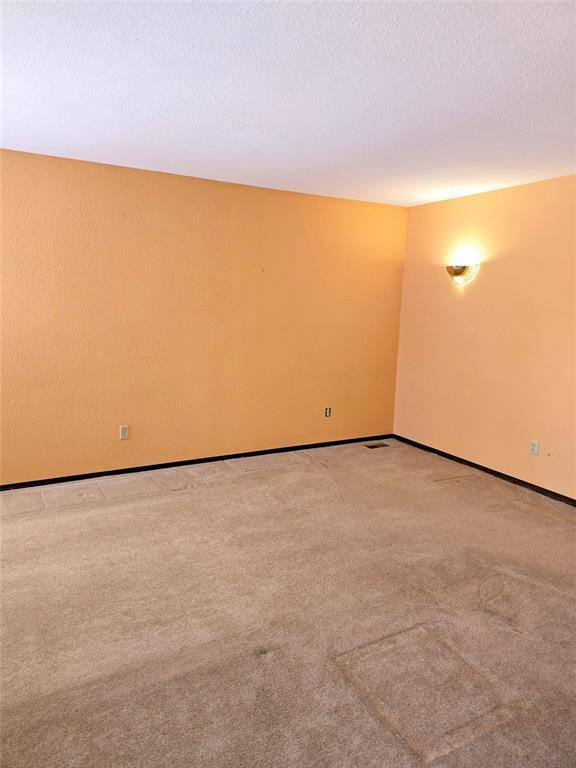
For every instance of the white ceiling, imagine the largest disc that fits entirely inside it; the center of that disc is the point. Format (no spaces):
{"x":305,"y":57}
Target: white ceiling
{"x":394,"y":102}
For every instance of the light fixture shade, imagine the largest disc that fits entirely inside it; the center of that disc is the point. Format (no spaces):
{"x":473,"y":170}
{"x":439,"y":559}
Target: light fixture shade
{"x":462,"y":273}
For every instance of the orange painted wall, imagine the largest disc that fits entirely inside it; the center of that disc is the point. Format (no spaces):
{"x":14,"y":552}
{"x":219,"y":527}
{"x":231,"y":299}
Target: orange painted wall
{"x":485,"y":368}
{"x":215,"y":318}
{"x":212,"y":318}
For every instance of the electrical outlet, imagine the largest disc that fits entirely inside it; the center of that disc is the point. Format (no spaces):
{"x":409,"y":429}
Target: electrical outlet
{"x":327,"y":413}
{"x":124,"y":432}
{"x":534,"y":447}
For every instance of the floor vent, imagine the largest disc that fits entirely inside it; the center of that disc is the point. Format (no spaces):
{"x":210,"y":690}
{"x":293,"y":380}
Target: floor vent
{"x":378,"y":445}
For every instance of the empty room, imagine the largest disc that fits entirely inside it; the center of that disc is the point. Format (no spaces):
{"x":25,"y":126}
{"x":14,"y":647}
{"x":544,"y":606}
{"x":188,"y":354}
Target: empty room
{"x":288,"y":425}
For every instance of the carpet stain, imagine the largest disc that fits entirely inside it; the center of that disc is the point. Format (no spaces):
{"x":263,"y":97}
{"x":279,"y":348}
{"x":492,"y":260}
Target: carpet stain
{"x":404,"y":677}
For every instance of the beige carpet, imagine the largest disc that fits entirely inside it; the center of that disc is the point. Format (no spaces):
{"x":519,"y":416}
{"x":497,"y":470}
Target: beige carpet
{"x":335,"y":608}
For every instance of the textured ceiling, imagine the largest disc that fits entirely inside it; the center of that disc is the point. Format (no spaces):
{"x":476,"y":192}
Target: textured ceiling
{"x":393,"y":102}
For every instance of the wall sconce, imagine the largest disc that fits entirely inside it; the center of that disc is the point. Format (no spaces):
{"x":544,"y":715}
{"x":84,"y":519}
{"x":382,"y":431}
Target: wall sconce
{"x":462,"y":273}
{"x":465,"y":262}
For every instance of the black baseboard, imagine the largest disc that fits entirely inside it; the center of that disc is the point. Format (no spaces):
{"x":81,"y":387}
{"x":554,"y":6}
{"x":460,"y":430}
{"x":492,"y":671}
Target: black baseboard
{"x":501,"y":475}
{"x":185,"y":462}
{"x":189,"y":462}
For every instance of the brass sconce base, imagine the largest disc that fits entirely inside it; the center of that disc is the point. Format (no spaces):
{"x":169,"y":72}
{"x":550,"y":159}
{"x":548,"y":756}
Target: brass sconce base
{"x":462,"y":273}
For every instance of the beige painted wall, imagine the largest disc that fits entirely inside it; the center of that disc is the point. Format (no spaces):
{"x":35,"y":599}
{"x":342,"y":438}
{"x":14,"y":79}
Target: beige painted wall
{"x":485,"y":368}
{"x":212,"y":318}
